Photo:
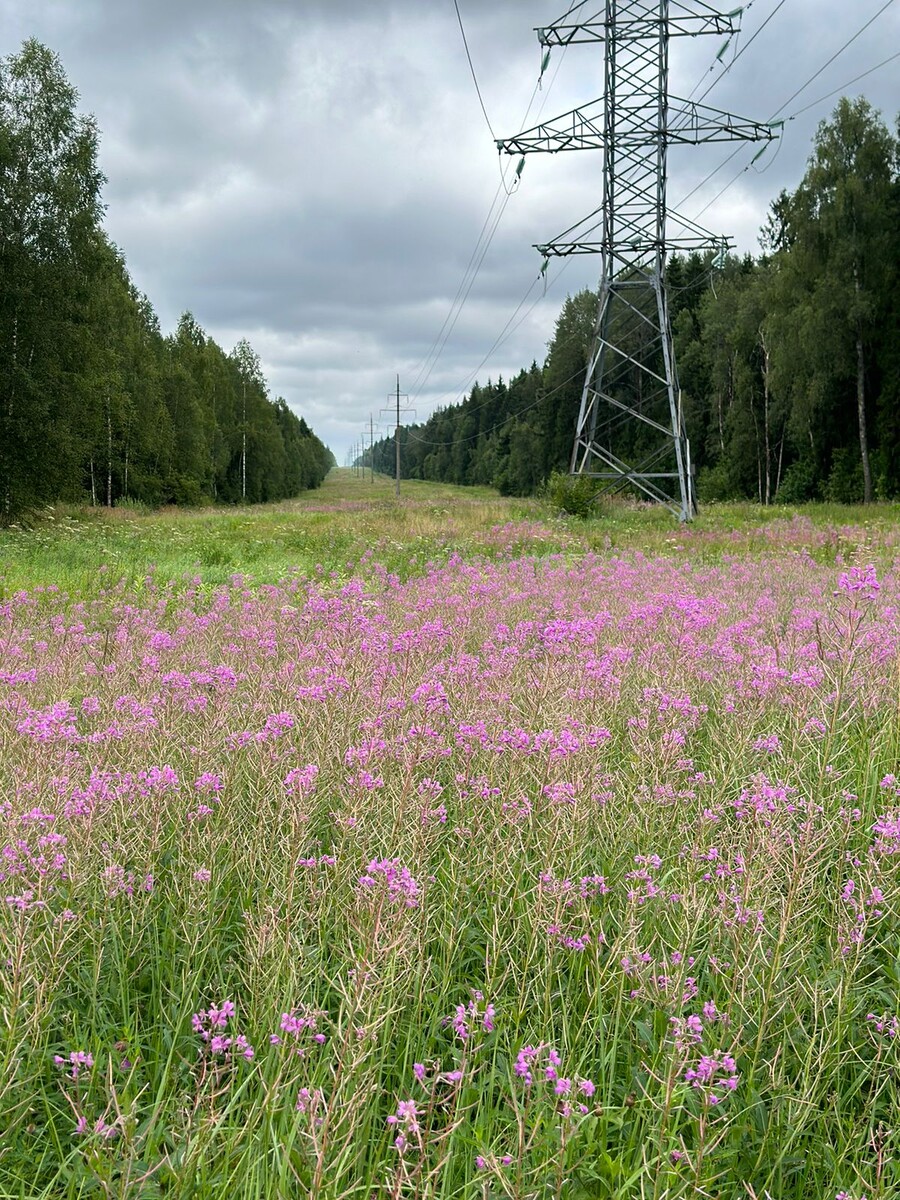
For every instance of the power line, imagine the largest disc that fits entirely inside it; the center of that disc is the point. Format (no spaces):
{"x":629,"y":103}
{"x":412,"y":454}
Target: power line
{"x":743,"y":50}
{"x":472,"y":69}
{"x":849,"y":42}
{"x":724,"y":163}
{"x":498,"y":341}
{"x":462,"y":293}
{"x":505,"y":332}
{"x":466,"y":284}
{"x":721,"y":52}
{"x":731,"y":181}
{"x":702,"y":279}
{"x":802,"y":88}
{"x":611,"y":423}
{"x":512,"y":416}
{"x":843,"y":86}
{"x":437,"y":345}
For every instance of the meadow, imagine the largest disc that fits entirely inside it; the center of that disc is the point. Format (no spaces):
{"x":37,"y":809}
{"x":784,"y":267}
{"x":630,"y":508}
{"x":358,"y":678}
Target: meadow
{"x":450,"y":849}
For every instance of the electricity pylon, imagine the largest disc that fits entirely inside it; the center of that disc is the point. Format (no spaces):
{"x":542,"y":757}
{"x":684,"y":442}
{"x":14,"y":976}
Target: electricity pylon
{"x":395,"y":410}
{"x":368,"y":447}
{"x":631,"y":385}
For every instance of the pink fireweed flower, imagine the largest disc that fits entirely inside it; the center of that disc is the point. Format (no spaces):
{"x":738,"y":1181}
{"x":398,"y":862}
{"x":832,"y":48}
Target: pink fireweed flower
{"x":553,"y":1063}
{"x":770,"y":744}
{"x":310,"y":1100}
{"x":208,"y":782}
{"x":300,"y":1028}
{"x":524,"y":1062}
{"x":686,"y":1031}
{"x":219,"y":1017}
{"x":209,"y":1023}
{"x":711,"y":1013}
{"x":887,"y":833}
{"x":77,"y":1062}
{"x":711,"y":1071}
{"x":886,"y":1026}
{"x":394,"y":879}
{"x":430,"y":816}
{"x":460,"y":1024}
{"x":862,"y":581}
{"x":467,"y":1017}
{"x":406,"y":1112}
{"x":406,"y":1119}
{"x":302,"y":780}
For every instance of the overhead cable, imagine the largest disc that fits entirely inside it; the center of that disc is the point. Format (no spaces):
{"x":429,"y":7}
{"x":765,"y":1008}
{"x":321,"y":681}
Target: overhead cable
{"x":724,"y":163}
{"x":844,"y":86}
{"x":472,"y":69}
{"x":849,"y":42}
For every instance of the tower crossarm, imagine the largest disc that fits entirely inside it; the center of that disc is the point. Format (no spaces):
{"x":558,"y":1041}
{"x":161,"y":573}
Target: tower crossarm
{"x":685,"y":123}
{"x":636,"y":250}
{"x":580,"y":129}
{"x":643,"y":22}
{"x":692,"y":124}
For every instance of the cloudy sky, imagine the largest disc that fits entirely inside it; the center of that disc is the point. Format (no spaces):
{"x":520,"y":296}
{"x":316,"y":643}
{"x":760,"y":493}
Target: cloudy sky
{"x":318,"y":175}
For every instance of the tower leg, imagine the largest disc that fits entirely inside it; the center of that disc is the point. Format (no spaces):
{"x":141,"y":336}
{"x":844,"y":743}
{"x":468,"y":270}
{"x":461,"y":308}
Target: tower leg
{"x":631,"y":396}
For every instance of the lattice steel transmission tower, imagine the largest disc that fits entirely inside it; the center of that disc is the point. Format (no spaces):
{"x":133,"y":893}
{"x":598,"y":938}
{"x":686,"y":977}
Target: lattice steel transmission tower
{"x":630,"y":428}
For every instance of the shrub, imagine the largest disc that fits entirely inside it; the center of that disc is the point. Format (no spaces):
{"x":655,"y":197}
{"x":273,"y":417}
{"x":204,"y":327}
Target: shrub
{"x":845,"y":480}
{"x":715,"y":483}
{"x":576,"y":495}
{"x":798,"y":484}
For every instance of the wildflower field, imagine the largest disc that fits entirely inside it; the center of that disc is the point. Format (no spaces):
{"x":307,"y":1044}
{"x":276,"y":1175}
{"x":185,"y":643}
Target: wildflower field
{"x":449,"y":850}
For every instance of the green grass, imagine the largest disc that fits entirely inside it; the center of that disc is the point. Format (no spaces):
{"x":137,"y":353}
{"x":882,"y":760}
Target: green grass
{"x":83,"y":550}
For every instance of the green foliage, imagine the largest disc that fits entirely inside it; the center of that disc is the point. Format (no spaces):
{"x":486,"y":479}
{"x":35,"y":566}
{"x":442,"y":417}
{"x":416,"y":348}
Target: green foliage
{"x":576,"y":495}
{"x":714,"y":483}
{"x":844,"y":484}
{"x":799,"y":483}
{"x":49,"y":222}
{"x":94,"y":402}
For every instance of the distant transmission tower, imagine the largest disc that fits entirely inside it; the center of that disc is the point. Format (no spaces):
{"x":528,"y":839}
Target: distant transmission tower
{"x":397,"y":408}
{"x":631,"y":393}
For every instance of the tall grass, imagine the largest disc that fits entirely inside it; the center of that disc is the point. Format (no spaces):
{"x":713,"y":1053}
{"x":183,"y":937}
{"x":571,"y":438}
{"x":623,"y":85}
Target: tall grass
{"x":531,"y":871}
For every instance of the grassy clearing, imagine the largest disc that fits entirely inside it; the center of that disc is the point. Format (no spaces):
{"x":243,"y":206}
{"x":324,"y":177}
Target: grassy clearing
{"x":449,"y":850}
{"x":81,"y":550}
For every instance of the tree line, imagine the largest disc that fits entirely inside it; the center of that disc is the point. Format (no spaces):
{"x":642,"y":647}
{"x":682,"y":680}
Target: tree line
{"x":95,"y":401}
{"x":788,"y":362}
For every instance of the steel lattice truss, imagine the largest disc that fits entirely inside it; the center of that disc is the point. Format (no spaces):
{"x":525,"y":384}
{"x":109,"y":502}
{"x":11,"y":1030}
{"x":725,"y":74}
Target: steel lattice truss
{"x":631,"y":386}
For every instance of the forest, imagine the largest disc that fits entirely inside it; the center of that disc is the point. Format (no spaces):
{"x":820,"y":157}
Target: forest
{"x":788,"y":363}
{"x":97,"y":405}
